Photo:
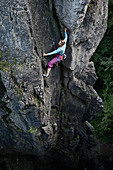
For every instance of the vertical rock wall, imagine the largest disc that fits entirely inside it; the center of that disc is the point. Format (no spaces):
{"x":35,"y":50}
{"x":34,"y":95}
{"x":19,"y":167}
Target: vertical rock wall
{"x":30,"y":120}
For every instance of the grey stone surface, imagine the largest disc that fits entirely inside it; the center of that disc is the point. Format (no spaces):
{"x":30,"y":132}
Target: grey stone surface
{"x":71,"y":13}
{"x":40,"y":115}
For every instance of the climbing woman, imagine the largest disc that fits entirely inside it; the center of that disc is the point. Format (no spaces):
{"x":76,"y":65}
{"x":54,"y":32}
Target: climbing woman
{"x":59,"y":54}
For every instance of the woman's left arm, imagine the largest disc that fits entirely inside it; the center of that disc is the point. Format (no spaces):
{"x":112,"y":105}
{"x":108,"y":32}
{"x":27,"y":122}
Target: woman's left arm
{"x":65,"y":39}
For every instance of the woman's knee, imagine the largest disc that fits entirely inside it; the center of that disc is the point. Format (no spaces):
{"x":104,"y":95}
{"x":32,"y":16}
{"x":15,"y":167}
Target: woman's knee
{"x":49,"y":65}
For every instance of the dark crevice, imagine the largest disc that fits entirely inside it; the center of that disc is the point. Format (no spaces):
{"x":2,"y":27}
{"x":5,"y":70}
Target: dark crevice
{"x":31,"y":32}
{"x":10,"y":13}
{"x":45,"y":84}
{"x":61,"y":70}
{"x":25,"y":9}
{"x":2,"y":89}
{"x":56,"y":18}
{"x":3,"y":166}
{"x":11,"y":18}
{"x":14,"y":79}
{"x":3,"y":107}
{"x":30,"y":29}
{"x":35,"y":47}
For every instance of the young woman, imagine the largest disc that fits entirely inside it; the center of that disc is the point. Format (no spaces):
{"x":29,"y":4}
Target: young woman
{"x":59,"y":54}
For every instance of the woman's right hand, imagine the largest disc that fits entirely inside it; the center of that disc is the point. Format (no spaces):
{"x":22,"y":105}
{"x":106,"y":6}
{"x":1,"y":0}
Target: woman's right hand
{"x":44,"y":54}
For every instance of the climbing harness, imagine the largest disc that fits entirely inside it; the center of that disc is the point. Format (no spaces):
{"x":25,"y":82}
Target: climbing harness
{"x":61,"y":57}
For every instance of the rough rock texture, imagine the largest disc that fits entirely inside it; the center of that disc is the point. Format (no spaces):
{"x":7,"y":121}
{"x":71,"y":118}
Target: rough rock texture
{"x":39,"y":115}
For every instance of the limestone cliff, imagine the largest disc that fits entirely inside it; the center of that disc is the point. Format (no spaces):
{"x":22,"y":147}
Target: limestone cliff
{"x":39,"y":115}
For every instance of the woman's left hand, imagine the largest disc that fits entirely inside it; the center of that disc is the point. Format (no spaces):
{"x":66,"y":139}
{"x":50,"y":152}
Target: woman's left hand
{"x":65,"y":29}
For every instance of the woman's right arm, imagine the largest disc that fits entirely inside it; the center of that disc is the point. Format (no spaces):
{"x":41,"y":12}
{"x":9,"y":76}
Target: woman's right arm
{"x":53,"y":52}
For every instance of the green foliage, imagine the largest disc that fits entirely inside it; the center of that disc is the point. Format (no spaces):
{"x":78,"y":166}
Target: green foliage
{"x":78,"y":136}
{"x":33,"y":130}
{"x":103,"y":60}
{"x":104,"y":67}
{"x":0,"y":54}
{"x":104,"y":122}
{"x":19,"y":91}
{"x":15,"y":61}
{"x":92,"y":4}
{"x":62,"y":115}
{"x":4,"y":65}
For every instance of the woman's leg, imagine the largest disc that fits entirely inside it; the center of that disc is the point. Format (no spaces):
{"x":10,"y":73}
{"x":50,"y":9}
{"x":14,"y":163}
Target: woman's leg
{"x":48,"y":71}
{"x":50,"y":65}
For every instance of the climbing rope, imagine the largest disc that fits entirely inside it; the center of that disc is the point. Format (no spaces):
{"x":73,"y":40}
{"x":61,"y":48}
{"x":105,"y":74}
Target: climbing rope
{"x":57,"y":95}
{"x":57,"y":99}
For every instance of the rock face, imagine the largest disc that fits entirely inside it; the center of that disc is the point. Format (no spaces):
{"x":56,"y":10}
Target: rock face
{"x":38,"y":115}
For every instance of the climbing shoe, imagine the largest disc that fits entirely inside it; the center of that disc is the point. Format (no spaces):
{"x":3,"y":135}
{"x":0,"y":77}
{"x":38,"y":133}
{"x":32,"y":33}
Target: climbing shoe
{"x":44,"y":75}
